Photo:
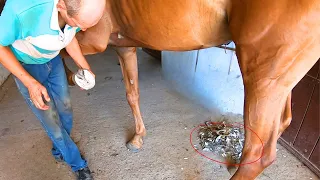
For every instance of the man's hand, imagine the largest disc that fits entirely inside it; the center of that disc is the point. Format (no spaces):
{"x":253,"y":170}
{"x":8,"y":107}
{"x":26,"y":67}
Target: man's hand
{"x":38,"y":94}
{"x":36,"y":90}
{"x":84,"y":77}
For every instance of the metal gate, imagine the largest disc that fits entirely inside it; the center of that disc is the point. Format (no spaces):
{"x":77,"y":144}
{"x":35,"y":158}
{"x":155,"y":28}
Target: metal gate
{"x":302,"y":136}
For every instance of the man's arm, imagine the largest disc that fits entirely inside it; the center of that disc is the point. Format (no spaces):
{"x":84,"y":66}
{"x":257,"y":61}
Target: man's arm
{"x":9,"y":32}
{"x":74,"y":51}
{"x":36,"y":90}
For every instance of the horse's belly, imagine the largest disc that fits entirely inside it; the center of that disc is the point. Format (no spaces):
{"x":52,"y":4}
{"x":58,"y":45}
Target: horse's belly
{"x":175,"y":25}
{"x":174,"y":43}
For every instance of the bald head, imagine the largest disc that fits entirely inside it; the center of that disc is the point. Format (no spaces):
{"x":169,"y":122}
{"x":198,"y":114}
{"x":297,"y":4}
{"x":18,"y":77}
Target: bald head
{"x":73,"y":7}
{"x":82,"y":13}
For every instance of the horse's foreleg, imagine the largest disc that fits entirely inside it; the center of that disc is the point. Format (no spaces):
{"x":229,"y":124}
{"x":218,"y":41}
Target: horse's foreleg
{"x":128,"y":61}
{"x":69,"y":73}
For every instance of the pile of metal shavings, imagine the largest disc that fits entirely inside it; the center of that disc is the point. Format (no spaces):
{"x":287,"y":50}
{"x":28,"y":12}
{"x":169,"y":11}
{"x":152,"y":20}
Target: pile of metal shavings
{"x":222,"y":140}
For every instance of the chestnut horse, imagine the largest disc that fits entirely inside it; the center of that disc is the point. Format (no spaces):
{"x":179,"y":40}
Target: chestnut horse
{"x":277,"y":42}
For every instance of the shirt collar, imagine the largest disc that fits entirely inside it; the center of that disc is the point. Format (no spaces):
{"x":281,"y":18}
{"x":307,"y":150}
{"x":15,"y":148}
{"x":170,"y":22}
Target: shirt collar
{"x":54,"y":24}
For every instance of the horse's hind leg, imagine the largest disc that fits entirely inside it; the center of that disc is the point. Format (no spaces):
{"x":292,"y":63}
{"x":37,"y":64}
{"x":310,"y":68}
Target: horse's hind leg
{"x":286,"y":116}
{"x":267,"y":112}
{"x":274,"y":55}
{"x":128,"y":61}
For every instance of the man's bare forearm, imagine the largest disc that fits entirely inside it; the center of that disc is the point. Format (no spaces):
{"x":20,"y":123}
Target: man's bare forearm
{"x":10,"y":62}
{"x":74,"y":51}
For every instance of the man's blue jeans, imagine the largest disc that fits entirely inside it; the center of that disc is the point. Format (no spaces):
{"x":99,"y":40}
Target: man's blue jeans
{"x":57,"y":121}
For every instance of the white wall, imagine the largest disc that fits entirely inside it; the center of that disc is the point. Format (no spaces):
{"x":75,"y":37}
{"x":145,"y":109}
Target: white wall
{"x":209,"y":77}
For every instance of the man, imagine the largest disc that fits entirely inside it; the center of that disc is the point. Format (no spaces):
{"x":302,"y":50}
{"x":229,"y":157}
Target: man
{"x":32,"y":33}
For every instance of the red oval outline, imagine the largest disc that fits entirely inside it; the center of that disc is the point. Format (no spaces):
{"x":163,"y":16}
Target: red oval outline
{"x":229,"y":164}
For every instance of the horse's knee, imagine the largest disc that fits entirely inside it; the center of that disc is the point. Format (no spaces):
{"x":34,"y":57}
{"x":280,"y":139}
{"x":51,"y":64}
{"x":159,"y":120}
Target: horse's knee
{"x":133,"y":98}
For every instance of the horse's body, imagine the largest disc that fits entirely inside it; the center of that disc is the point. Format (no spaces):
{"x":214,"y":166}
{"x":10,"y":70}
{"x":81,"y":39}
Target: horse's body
{"x":164,"y":25}
{"x":173,"y":25}
{"x":277,"y":42}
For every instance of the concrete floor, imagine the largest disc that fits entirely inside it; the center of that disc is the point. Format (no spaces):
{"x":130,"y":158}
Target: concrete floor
{"x":104,"y":119}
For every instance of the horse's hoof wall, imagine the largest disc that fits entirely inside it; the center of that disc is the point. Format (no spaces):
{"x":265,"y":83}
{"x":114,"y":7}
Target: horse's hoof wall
{"x":132,"y":148}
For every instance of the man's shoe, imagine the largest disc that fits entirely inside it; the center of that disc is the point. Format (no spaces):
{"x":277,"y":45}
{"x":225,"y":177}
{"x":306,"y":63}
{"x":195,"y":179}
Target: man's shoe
{"x":59,"y":159}
{"x":84,"y":174}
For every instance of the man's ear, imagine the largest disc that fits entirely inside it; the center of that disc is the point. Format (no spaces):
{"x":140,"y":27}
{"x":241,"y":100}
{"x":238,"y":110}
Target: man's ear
{"x":61,"y":5}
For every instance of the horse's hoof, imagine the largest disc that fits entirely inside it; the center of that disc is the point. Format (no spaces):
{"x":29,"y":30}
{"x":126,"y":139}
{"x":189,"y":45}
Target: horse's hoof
{"x":132,"y":147}
{"x":70,"y":81}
